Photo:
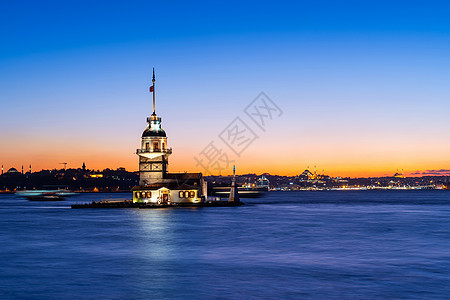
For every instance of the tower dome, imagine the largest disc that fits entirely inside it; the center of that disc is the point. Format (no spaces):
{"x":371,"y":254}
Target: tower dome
{"x":148,"y":133}
{"x":154,"y":128}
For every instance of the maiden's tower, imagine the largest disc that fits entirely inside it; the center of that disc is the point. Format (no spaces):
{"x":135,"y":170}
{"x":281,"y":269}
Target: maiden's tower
{"x":156,"y":184}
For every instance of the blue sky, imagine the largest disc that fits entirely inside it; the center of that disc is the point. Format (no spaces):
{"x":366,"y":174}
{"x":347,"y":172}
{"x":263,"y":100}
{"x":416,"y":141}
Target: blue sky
{"x":363,"y":84}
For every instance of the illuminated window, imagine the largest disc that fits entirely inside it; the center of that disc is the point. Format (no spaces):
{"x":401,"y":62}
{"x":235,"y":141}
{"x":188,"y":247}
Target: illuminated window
{"x":147,"y":146}
{"x":186,"y":194}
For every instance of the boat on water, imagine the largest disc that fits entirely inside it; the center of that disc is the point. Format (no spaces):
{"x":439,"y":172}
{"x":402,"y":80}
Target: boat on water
{"x":263,"y":184}
{"x":247,"y":190}
{"x":45,"y":195}
{"x":244,"y":192}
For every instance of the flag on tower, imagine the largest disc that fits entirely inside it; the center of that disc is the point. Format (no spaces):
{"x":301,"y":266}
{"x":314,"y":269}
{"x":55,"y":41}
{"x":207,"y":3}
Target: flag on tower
{"x":151,"y":89}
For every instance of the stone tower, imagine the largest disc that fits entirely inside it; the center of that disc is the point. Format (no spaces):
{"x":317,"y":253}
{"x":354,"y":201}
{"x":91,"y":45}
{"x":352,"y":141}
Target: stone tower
{"x":154,"y":153}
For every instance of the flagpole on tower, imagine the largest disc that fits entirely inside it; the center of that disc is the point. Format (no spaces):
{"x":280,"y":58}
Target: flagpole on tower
{"x":153,"y":90}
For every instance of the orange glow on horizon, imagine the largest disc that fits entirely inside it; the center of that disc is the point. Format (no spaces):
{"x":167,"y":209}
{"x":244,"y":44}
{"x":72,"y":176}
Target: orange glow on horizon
{"x":336,"y":158}
{"x":179,"y":163}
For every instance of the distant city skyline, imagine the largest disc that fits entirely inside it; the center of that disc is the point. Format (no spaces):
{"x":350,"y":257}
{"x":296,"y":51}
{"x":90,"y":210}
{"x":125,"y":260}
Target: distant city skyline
{"x":363,"y":87}
{"x":397,"y":173}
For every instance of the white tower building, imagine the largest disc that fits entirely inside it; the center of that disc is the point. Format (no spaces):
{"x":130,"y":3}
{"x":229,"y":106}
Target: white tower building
{"x":154,"y":153}
{"x":156,"y":185}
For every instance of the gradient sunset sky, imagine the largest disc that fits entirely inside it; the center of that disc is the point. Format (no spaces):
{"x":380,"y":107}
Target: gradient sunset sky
{"x":363,"y":85}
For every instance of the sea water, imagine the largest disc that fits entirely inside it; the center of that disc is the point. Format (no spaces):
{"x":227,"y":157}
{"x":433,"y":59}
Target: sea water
{"x":287,"y":245}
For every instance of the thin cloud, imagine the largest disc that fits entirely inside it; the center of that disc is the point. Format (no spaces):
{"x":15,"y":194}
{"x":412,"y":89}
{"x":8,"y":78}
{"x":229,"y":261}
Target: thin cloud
{"x":436,"y":172}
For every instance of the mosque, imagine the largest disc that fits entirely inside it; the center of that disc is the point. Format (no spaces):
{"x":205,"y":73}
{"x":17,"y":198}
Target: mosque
{"x":156,"y":184}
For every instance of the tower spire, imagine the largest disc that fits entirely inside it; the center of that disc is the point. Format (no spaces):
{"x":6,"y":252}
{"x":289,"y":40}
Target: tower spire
{"x":153,"y":90}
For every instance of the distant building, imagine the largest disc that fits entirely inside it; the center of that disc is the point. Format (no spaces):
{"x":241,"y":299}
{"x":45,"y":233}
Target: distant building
{"x":398,"y":175}
{"x":156,"y":184}
{"x":96,"y":175}
{"x":12,"y":171}
{"x":307,"y":175}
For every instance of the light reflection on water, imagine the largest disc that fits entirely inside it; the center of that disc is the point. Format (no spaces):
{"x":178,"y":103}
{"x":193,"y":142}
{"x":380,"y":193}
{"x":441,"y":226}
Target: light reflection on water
{"x":287,"y":245}
{"x":156,"y":231}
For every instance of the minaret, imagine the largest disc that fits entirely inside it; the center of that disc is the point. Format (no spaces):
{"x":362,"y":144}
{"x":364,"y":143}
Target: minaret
{"x":234,"y":195}
{"x":2,"y":169}
{"x":154,"y":153}
{"x":29,"y":169}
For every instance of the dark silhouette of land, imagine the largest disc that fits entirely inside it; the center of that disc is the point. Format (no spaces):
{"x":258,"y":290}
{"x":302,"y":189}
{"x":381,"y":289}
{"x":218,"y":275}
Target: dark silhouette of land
{"x":78,"y":180}
{"x":120,"y":180}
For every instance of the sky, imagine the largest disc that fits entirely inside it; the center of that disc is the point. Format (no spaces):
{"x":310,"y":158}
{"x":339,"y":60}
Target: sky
{"x":362,"y":87}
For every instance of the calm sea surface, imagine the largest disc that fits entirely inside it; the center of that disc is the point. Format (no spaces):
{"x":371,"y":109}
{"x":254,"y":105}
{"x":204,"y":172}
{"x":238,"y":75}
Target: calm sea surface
{"x":296,"y":245}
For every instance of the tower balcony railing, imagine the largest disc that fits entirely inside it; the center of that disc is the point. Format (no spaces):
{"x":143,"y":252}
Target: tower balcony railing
{"x":155,"y":150}
{"x":149,"y":119}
